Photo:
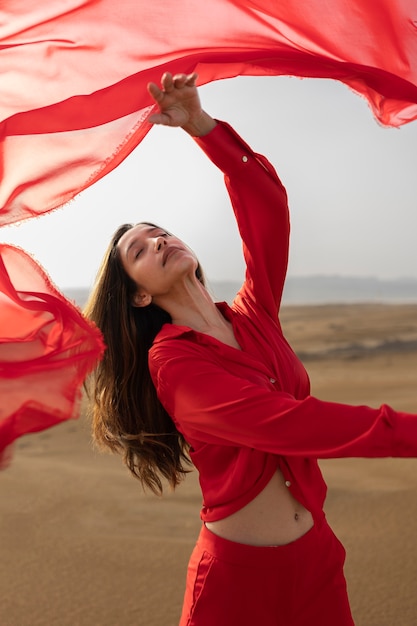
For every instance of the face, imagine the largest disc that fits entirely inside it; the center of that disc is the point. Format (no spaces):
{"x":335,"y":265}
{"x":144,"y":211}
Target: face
{"x":156,"y":260}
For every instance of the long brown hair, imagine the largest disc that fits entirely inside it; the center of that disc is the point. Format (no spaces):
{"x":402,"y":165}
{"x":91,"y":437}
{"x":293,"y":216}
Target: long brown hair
{"x":127,"y":416}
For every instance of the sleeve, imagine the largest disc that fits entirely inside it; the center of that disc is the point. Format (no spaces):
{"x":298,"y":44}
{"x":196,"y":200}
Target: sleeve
{"x":211,"y":405}
{"x":259,"y":202}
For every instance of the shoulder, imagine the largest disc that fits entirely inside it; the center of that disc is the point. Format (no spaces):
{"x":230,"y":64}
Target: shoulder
{"x":173,"y":343}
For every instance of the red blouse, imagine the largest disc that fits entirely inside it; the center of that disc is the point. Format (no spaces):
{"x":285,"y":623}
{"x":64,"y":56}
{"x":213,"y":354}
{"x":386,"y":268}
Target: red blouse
{"x":246,"y":412}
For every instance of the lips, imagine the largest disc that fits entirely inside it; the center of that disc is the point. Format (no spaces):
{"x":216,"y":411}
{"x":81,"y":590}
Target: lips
{"x":169,"y":252}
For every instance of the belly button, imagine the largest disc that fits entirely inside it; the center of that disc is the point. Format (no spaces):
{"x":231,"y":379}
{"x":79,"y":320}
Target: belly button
{"x":296,"y":516}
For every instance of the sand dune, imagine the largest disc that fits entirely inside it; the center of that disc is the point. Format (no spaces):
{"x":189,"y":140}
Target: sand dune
{"x":81,"y":545}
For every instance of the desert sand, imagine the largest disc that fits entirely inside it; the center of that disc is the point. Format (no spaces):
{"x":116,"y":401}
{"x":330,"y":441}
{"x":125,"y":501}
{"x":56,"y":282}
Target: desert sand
{"x":81,"y":545}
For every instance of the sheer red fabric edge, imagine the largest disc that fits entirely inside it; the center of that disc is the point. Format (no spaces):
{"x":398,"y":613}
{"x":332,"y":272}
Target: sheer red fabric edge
{"x":42,"y":363}
{"x":393,"y":101}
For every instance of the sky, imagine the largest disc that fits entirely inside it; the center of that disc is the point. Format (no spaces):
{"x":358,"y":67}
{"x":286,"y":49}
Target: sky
{"x":352,"y":187}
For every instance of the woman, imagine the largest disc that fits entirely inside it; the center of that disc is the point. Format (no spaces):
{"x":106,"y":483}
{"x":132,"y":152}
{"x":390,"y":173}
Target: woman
{"x":185,"y":377}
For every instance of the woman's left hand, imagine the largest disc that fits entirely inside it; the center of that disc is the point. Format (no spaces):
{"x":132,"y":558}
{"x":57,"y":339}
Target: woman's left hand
{"x":179,"y":104}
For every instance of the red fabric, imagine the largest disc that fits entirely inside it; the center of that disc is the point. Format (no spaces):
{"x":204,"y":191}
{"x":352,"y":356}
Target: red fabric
{"x":73,"y":97}
{"x":300,"y":583}
{"x":46,"y":350}
{"x":73,"y":104}
{"x":245,"y":412}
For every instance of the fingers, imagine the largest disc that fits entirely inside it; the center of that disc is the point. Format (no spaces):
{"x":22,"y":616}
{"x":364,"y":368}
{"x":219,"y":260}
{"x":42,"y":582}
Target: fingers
{"x":155,"y":92}
{"x":191,"y":79}
{"x":169,"y":83}
{"x":185,"y":80}
{"x":159,"y":118}
{"x":168,"y":95}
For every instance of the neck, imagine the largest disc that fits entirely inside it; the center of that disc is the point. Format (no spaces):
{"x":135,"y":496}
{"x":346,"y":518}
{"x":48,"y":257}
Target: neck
{"x":191,"y":305}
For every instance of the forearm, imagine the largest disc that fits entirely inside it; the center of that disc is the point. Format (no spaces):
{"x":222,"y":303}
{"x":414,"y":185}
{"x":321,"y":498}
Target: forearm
{"x":243,"y":413}
{"x":260,"y":204}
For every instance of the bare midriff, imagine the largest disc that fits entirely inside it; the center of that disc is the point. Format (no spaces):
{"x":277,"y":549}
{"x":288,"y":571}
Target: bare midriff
{"x":273,"y":518}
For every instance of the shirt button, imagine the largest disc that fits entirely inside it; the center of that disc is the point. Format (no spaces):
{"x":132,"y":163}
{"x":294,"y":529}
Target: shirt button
{"x":288,"y":483}
{"x":245,"y":159}
{"x":272,"y":380}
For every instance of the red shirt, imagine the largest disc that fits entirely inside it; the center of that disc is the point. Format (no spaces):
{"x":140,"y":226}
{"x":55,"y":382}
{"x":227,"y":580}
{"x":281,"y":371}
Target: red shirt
{"x":246,"y":412}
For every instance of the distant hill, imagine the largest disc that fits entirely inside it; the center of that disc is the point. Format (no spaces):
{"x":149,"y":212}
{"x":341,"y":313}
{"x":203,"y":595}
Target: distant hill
{"x":313,"y":290}
{"x":345,"y":289}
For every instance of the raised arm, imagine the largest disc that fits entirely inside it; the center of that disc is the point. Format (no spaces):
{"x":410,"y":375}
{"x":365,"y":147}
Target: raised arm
{"x":258,"y":197}
{"x":260,"y":205}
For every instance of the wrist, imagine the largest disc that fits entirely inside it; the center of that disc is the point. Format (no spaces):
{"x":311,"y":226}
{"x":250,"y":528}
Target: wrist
{"x":200,"y":124}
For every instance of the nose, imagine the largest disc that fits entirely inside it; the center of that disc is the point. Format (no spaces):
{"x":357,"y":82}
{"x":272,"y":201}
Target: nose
{"x":160,"y":242}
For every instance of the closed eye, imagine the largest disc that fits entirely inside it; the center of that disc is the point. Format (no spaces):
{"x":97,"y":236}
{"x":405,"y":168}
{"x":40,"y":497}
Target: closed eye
{"x":162,"y":234}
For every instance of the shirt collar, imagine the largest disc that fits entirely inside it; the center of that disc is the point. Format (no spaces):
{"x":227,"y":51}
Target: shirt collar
{"x":174,"y":331}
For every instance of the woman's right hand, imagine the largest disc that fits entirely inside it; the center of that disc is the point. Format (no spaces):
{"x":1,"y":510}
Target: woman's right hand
{"x":179,"y":104}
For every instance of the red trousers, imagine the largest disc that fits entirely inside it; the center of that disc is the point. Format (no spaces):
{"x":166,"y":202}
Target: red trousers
{"x":299,"y":584}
